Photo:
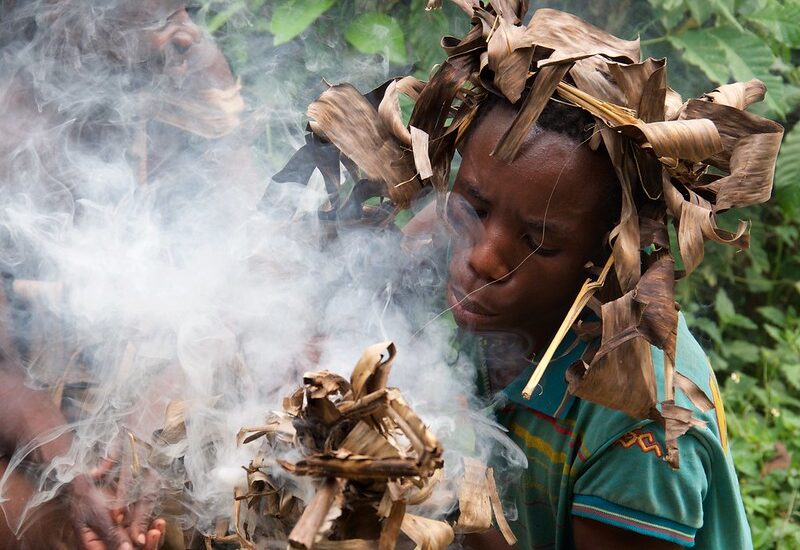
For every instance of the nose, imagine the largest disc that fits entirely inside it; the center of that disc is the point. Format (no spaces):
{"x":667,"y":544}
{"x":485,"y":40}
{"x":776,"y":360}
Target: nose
{"x":488,"y":257}
{"x":185,"y":33}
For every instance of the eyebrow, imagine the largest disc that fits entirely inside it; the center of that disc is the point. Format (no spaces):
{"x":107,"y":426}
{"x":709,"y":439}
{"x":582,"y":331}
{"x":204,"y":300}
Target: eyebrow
{"x":546,"y":227}
{"x":474,"y":192}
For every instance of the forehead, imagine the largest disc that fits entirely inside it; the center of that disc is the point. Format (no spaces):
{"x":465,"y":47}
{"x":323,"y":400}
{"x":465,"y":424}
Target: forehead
{"x":148,"y":10}
{"x":552,"y":169}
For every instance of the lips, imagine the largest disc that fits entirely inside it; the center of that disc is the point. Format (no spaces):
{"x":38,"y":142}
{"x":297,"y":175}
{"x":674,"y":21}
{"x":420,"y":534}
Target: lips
{"x":467,"y":307}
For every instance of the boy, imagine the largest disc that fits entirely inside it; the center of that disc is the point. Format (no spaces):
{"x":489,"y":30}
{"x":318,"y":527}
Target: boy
{"x":596,"y":478}
{"x":575,"y":153}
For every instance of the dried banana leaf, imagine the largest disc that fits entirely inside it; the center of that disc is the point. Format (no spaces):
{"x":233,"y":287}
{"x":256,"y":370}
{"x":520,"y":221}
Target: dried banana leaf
{"x":389,"y":111}
{"x":372,"y":370}
{"x":350,"y":544}
{"x":475,"y":507}
{"x":571,"y":36}
{"x":739,"y":95}
{"x":621,"y":374}
{"x":355,"y":467}
{"x":311,"y":523}
{"x":391,"y":526}
{"x":365,"y":440}
{"x":428,"y":534}
{"x":497,"y":509}
{"x":750,"y":146}
{"x":344,"y":117}
{"x":696,"y":224}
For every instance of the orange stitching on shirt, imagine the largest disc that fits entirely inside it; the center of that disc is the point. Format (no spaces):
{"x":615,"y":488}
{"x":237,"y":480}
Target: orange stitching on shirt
{"x":646,"y":441}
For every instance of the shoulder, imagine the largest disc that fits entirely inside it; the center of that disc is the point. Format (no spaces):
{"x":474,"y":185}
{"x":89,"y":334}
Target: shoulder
{"x":696,"y":390}
{"x":696,"y":387}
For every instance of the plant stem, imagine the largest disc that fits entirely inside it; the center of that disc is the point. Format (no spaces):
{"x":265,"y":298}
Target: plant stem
{"x":651,"y":41}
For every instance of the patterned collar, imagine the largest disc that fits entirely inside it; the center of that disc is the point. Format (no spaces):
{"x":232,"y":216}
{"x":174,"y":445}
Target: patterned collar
{"x":552,"y":396}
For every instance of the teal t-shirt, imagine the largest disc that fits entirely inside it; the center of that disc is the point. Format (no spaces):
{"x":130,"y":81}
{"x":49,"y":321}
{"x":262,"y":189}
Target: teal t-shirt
{"x":590,"y":461}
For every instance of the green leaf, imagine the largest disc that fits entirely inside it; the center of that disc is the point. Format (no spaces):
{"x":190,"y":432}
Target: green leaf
{"x":291,"y":17}
{"x":773,"y":314}
{"x":741,"y":321}
{"x":743,"y":351}
{"x":792,"y":374}
{"x":787,"y":174}
{"x":702,"y":52}
{"x":782,"y":21}
{"x":710,"y":328}
{"x":378,"y":33}
{"x":725,"y":52}
{"x":724,"y":306}
{"x":220,"y":19}
{"x":704,"y":9}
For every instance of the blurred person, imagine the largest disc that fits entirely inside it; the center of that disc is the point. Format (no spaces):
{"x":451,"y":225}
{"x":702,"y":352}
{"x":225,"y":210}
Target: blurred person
{"x":135,"y":86}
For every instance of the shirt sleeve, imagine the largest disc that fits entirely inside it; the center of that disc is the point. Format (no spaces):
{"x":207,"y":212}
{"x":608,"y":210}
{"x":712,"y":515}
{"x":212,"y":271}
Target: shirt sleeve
{"x":630,"y":485}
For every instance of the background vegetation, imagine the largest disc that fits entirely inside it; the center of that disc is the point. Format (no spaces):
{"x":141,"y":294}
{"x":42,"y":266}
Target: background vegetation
{"x":744,"y":307}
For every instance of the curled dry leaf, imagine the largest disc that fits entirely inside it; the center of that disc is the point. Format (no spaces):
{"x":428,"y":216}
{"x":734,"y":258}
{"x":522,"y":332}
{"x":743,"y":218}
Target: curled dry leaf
{"x":739,"y":95}
{"x":497,"y":509}
{"x":428,"y":534}
{"x":621,"y":374}
{"x":344,"y":117}
{"x":364,"y":449}
{"x":389,"y":111}
{"x":475,"y":507}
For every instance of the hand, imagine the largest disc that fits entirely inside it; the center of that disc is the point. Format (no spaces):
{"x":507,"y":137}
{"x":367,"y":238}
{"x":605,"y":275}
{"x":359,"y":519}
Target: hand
{"x":100,"y":509}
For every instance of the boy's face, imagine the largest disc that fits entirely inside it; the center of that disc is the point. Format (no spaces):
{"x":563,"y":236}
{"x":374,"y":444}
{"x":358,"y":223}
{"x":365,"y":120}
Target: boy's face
{"x":530,"y":255}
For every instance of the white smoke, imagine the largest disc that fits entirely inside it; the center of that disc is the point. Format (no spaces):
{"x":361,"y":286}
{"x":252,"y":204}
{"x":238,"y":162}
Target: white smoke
{"x":176,"y":284}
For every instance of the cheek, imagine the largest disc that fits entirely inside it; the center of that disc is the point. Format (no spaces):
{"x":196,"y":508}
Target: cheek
{"x":546,"y":285}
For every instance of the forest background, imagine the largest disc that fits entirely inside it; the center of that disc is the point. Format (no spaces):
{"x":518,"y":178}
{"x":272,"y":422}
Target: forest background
{"x":744,"y":307}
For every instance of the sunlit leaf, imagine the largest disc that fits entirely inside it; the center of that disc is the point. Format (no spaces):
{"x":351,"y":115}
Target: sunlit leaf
{"x":727,"y":52}
{"x":291,"y":17}
{"x":787,"y":173}
{"x":724,"y":306}
{"x":781,"y":19}
{"x":378,"y":33}
{"x":773,"y":314}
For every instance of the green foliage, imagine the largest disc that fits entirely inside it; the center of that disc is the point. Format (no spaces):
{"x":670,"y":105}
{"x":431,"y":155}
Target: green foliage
{"x":378,"y":33}
{"x":744,"y":307}
{"x":787,"y":174}
{"x":292,"y":17}
{"x":727,"y":52}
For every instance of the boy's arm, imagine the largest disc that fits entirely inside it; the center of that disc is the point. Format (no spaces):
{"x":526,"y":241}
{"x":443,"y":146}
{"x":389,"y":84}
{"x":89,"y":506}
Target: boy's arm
{"x":593,"y":535}
{"x":589,"y":535}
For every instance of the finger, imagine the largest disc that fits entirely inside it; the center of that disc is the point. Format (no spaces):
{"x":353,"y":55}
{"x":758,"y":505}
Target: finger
{"x":113,"y":536}
{"x":153,"y":541}
{"x":160,"y":525}
{"x":140,"y":519}
{"x":108,"y":462}
{"x":89,"y":540}
{"x":124,"y":482}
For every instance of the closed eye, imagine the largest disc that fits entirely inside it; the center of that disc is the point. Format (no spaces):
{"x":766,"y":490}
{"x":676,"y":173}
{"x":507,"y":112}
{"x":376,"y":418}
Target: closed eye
{"x":537,"y":248}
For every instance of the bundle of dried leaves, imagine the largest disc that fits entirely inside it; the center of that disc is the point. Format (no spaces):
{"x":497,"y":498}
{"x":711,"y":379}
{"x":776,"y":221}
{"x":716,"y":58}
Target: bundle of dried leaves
{"x":690,"y":160}
{"x":369,"y":457}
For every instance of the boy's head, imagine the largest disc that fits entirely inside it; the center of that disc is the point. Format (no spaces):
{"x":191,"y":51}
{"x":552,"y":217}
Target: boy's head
{"x":527,"y":229}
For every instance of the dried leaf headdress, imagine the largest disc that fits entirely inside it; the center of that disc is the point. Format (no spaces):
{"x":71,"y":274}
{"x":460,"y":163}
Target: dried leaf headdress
{"x":691,"y":160}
